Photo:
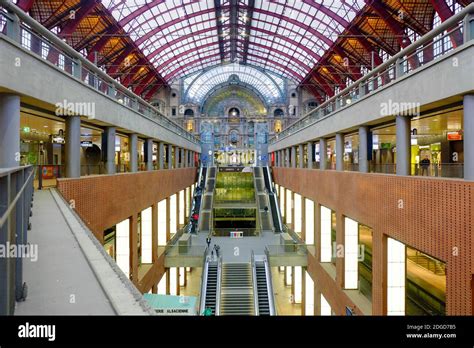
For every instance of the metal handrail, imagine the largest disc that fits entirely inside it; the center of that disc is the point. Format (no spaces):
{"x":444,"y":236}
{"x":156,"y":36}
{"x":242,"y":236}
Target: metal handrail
{"x":202,"y":299}
{"x":219,"y":283}
{"x":395,"y":61}
{"x":255,"y":287}
{"x":12,"y":204}
{"x":275,"y":198}
{"x":14,"y":224}
{"x":271,"y":294}
{"x":37,"y":28}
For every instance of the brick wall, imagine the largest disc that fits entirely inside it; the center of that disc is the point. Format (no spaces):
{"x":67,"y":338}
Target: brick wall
{"x":436,"y":218}
{"x":104,"y":200}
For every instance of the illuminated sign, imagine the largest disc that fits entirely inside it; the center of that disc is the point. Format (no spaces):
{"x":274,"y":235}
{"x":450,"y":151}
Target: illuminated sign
{"x":455,"y":135}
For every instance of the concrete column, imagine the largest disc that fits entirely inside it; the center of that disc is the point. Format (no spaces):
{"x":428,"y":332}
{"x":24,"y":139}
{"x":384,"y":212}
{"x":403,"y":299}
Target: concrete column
{"x":363,"y":149}
{"x":186,"y":158}
{"x":149,"y":154}
{"x":287,"y":157}
{"x":161,"y":155}
{"x":170,"y":156}
{"x":133,"y":145}
{"x":176,"y":156}
{"x":9,"y":130}
{"x":339,"y":151}
{"x":73,"y":147}
{"x":323,"y":153}
{"x":403,"y":125}
{"x":182,"y":158}
{"x":293,"y":156}
{"x":469,"y":137}
{"x":310,"y":155}
{"x":301,"y":156}
{"x":108,"y":147}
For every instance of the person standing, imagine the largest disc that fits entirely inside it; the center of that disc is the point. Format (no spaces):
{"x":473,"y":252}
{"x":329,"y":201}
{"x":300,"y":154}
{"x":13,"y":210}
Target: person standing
{"x":208,"y":241}
{"x":425,"y":165}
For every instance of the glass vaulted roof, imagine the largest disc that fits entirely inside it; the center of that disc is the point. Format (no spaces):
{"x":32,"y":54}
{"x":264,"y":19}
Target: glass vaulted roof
{"x":269,"y":86}
{"x":181,"y":37}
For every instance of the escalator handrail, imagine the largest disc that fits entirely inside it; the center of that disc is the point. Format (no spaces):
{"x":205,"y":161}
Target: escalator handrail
{"x":271,"y":295}
{"x":273,"y":195}
{"x":255,"y":285}
{"x":205,"y":270}
{"x":218,"y":288}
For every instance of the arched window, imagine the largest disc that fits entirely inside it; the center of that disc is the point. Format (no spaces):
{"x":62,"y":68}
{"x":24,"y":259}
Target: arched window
{"x":234,"y":112}
{"x":278,"y":113}
{"x":189,"y":113}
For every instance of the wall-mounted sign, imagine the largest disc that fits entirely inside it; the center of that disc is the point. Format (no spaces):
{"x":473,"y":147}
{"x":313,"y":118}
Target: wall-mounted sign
{"x":86,"y":143}
{"x":57,"y":139}
{"x":454,"y":135}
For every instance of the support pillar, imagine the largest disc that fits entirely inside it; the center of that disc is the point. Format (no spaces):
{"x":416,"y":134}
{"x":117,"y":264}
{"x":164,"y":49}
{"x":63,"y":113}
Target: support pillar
{"x":170,"y":156}
{"x":9,"y":130}
{"x":133,"y":146}
{"x":287,"y":157}
{"x":186,"y":158}
{"x":108,"y":149}
{"x":363,"y":149}
{"x":73,"y":147}
{"x":339,"y":151}
{"x":161,"y":155}
{"x":301,"y":156}
{"x":469,"y":137}
{"x":176,"y":157}
{"x":293,"y":156}
{"x":403,"y":125}
{"x":323,"y":153}
{"x":309,"y":154}
{"x":149,"y":154}
{"x":182,"y":159}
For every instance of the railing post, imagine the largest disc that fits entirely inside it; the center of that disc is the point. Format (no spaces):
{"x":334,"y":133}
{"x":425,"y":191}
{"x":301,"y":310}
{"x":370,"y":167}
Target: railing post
{"x":77,"y":68}
{"x":468,"y":27}
{"x":13,"y":27}
{"x":399,"y":68}
{"x":361,"y":90}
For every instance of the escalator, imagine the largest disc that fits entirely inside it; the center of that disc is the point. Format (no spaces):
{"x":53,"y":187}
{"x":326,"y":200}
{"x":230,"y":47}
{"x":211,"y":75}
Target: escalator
{"x":210,"y":287}
{"x":207,"y":200}
{"x":263,"y":291}
{"x":273,"y":199}
{"x":263,"y":201}
{"x":237,"y":290}
{"x":197,"y":200}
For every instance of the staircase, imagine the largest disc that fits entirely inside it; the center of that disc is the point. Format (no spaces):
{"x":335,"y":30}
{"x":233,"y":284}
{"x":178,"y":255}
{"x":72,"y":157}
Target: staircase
{"x":262,"y":289}
{"x":237,"y":290}
{"x":211,"y":288}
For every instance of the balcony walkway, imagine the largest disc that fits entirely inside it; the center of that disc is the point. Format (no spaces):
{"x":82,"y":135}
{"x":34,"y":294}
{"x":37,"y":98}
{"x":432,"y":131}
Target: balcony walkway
{"x":72,"y":275}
